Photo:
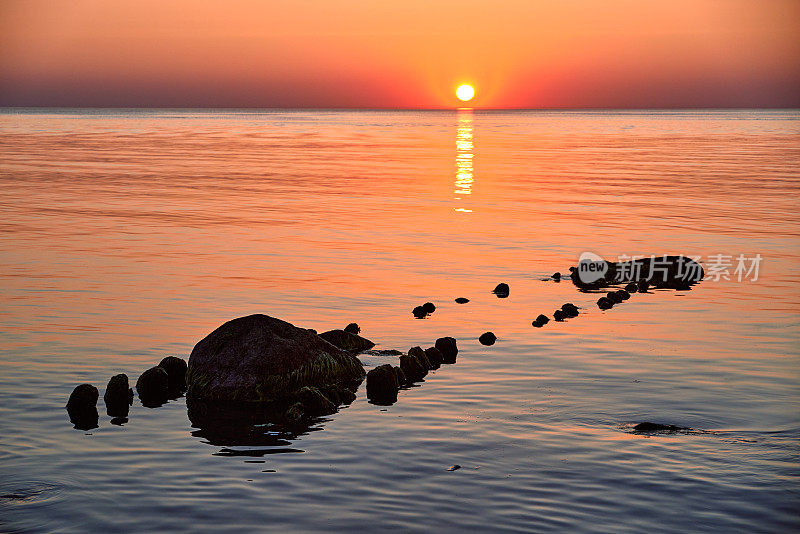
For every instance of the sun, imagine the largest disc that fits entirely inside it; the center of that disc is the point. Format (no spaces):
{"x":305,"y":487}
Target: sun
{"x":465,"y":92}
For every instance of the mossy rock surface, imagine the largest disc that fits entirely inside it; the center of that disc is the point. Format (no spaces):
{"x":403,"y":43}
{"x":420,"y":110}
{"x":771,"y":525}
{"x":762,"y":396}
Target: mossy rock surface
{"x":259,"y":358}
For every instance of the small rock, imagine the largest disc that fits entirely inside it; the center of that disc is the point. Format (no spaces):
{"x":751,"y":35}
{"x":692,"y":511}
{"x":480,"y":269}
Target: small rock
{"x":419,"y":312}
{"x":314,"y":402}
{"x":401,"y":376}
{"x":422,"y":358}
{"x":632,"y":287}
{"x":118,"y":396}
{"x":429,"y":307}
{"x":347,"y":341}
{"x":543,"y":319}
{"x":295,"y":414}
{"x":570,"y":310}
{"x":447,"y":346}
{"x":614,"y":297}
{"x":382,"y":384}
{"x":502,"y":290}
{"x":352,"y":328}
{"x":643,"y":285}
{"x":556,"y":276}
{"x":153,"y":387}
{"x":605,"y":303}
{"x":454,"y":467}
{"x":559,"y":315}
{"x":435,"y":357}
{"x":624,"y":295}
{"x":462,"y":300}
{"x":176,"y":372}
{"x":412,"y":369}
{"x":83,"y":396}
{"x":487,"y":338}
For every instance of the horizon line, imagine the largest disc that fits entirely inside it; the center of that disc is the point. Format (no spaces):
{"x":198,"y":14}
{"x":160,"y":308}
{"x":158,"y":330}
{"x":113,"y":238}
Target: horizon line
{"x":455,"y":108}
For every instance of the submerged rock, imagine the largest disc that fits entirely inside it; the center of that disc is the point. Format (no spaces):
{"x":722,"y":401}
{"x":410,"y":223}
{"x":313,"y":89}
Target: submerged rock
{"x":449,"y":349}
{"x":647,"y":427}
{"x":487,"y":338}
{"x":501,"y":290}
{"x":462,"y":300}
{"x":412,"y":368}
{"x":352,"y":328}
{"x":83,"y":396}
{"x":558,"y":315}
{"x":429,"y":307}
{"x":176,"y":372}
{"x":153,"y":387}
{"x":419,"y":312}
{"x":261,"y":359}
{"x":382,"y":384}
{"x":118,"y":396}
{"x":435,"y":357}
{"x":347,"y":341}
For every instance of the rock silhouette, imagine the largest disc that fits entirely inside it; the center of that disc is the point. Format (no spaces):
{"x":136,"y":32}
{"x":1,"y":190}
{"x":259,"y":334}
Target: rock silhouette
{"x":260,"y":359}
{"x":352,"y":328}
{"x":347,"y":341}
{"x":501,"y":290}
{"x":153,"y":387}
{"x":176,"y":373}
{"x":487,"y":338}
{"x":382,"y":385}
{"x":462,"y":300}
{"x":429,"y":307}
{"x":663,"y":272}
{"x":118,"y":396}
{"x":449,"y":349}
{"x":82,"y":407}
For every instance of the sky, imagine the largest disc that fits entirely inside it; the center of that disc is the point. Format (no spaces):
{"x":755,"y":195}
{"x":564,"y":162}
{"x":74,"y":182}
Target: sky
{"x":408,"y":54}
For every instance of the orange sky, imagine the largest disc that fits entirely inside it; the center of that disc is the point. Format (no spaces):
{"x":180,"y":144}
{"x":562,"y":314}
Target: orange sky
{"x":409,"y":54}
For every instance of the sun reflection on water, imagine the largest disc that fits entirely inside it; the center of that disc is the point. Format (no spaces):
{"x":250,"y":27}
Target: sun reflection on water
{"x":464,"y":155}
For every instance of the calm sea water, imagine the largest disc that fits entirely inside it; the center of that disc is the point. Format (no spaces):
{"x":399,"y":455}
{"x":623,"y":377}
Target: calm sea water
{"x":130,"y":235}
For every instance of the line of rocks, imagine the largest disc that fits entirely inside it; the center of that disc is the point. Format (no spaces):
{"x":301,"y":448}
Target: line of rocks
{"x":155,"y":386}
{"x":384,"y":381}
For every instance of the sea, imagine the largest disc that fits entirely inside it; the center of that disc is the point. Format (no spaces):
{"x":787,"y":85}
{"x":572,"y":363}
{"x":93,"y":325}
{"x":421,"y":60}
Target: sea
{"x":128,"y":235}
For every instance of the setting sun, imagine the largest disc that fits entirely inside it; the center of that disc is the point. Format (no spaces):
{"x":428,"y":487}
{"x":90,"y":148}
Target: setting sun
{"x":465,"y":92}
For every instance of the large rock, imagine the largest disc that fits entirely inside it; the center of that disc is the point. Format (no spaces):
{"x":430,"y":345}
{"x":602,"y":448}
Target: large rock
{"x":262,"y":359}
{"x":347,"y":341}
{"x":176,"y":372}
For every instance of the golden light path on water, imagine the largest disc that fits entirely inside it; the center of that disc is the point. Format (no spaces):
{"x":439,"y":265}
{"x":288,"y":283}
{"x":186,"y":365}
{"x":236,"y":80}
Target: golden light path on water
{"x":464,"y":156}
